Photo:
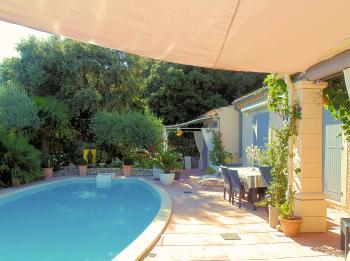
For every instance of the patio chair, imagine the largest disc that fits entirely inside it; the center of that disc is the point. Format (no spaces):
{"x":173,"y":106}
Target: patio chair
{"x":227,"y":183}
{"x":218,"y":177}
{"x":237,"y":187}
{"x":265,"y":172}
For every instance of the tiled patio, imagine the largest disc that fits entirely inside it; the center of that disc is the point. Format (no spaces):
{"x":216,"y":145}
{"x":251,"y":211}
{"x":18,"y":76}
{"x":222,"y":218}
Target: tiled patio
{"x":199,"y":218}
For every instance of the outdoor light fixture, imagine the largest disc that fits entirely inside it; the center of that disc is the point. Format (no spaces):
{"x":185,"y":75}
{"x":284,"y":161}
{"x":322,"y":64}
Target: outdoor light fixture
{"x":179,"y":132}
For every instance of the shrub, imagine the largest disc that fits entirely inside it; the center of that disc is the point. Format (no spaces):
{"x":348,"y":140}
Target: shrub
{"x":19,"y":161}
{"x":168,"y":161}
{"x":55,"y":122}
{"x":17,"y":110}
{"x":276,"y":156}
{"x":125,"y":133}
{"x":82,"y":162}
{"x":218,"y":154}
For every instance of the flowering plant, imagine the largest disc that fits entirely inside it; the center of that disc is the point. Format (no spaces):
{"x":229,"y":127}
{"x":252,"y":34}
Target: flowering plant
{"x":252,"y":154}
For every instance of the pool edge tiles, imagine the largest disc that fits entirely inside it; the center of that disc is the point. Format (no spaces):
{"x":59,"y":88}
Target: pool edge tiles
{"x":149,"y":237}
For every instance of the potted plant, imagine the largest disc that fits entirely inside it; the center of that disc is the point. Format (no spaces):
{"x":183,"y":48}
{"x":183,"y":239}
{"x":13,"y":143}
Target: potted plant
{"x":168,"y":161}
{"x":82,"y":166}
{"x":275,"y":158}
{"x":128,"y":162}
{"x":218,"y":154}
{"x":289,"y":222}
{"x":46,"y":166}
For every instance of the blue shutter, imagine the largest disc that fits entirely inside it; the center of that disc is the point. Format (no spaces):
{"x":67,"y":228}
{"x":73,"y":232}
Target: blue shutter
{"x":332,"y":152}
{"x":261,"y":129}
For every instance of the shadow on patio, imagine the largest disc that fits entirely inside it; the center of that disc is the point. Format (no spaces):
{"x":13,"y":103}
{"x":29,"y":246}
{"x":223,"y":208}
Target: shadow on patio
{"x":199,"y":218}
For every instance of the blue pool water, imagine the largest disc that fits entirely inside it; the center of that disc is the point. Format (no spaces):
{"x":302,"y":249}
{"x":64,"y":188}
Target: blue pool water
{"x":75,"y":220}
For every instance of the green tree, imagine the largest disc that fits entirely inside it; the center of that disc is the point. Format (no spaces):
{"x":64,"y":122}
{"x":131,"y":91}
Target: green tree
{"x":178,"y":93}
{"x":84,"y":76}
{"x":124,"y":133}
{"x":17,"y":110}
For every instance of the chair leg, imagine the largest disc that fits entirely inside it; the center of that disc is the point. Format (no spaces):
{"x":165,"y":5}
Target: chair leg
{"x":224,"y":193}
{"x":346,"y":242}
{"x":232,"y":197}
{"x":240,"y":199}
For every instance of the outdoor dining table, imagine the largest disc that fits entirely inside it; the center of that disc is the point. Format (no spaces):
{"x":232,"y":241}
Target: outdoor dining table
{"x":251,"y":180}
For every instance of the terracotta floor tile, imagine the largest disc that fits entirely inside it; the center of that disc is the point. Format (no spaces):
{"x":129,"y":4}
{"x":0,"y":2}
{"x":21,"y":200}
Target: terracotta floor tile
{"x":199,"y":218}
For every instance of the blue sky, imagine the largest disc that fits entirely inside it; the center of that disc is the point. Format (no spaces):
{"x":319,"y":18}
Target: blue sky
{"x":11,"y":34}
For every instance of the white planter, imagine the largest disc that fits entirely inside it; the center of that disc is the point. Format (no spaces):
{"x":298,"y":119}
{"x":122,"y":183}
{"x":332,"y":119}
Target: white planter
{"x":188,"y":163}
{"x":167,"y":178}
{"x":273,"y":216}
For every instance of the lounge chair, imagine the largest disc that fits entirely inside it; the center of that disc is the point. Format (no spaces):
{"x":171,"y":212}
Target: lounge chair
{"x":237,"y":187}
{"x":218,"y":177}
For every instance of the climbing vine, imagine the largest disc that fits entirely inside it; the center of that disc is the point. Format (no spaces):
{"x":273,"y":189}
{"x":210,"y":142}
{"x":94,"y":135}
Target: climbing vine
{"x":277,"y":152}
{"x":338,"y":103}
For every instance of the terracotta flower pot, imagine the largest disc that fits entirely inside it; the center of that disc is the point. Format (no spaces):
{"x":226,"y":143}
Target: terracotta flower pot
{"x":127,"y":170}
{"x":47,"y":172}
{"x":82,"y":170}
{"x":290,"y":228}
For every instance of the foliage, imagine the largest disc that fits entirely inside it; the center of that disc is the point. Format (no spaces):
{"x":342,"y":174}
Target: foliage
{"x":84,"y":76}
{"x":19,"y":161}
{"x":179,"y":93}
{"x":101,"y":156}
{"x":168,"y":161}
{"x":252,"y":153}
{"x":46,"y":161}
{"x":277,"y":153}
{"x":185,"y":144}
{"x":217,"y":154}
{"x":278,"y":94}
{"x":82,"y":162}
{"x":55,"y":122}
{"x":210,"y":170}
{"x":59,"y":159}
{"x":146,"y":163}
{"x":339,"y":103}
{"x":17,"y":110}
{"x":124,"y":133}
{"x":287,"y":208}
{"x":276,"y":156}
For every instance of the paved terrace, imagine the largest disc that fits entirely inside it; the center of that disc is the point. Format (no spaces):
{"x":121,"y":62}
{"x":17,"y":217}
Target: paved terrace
{"x":199,"y":218}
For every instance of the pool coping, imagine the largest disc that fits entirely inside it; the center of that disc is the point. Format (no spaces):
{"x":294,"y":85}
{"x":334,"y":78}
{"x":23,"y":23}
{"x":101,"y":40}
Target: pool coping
{"x":141,"y":246}
{"x":138,"y":248}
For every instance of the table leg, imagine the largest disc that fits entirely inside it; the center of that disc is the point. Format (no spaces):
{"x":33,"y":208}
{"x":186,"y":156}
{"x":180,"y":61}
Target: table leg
{"x":253,"y":195}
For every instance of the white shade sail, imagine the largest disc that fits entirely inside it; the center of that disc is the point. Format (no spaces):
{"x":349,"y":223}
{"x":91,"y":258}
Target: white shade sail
{"x":247,"y":35}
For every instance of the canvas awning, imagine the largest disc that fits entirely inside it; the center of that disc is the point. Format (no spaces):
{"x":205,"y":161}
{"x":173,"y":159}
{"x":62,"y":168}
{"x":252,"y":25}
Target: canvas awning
{"x":247,"y":35}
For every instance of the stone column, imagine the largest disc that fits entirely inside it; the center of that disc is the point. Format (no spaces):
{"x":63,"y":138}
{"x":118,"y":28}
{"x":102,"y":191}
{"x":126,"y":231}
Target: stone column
{"x":310,"y":203}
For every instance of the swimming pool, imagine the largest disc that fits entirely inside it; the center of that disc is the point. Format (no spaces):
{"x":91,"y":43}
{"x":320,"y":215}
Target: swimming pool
{"x":75,"y":220}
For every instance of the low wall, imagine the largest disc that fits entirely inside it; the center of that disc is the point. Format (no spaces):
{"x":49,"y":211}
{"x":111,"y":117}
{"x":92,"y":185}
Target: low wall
{"x":73,"y":171}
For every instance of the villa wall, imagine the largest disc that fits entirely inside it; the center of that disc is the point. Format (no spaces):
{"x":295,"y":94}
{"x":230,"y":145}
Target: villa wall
{"x":229,"y":128}
{"x":248,"y":126}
